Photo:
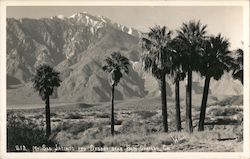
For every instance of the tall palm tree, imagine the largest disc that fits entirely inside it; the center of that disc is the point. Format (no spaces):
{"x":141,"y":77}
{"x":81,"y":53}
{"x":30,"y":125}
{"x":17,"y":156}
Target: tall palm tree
{"x":215,"y":60}
{"x":190,"y":36}
{"x":45,"y":81}
{"x":238,"y":66}
{"x":157,"y":59}
{"x":177,"y":75}
{"x":115,"y":65}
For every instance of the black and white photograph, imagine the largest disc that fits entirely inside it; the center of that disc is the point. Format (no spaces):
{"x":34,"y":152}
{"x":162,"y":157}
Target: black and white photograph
{"x":125,"y":78}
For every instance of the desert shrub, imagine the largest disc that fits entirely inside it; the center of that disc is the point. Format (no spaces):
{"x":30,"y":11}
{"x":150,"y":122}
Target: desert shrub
{"x":104,"y":122}
{"x":238,"y":130}
{"x":82,"y":126}
{"x":96,"y":133}
{"x":233,"y":110}
{"x":146,"y":114}
{"x":63,"y":138}
{"x":150,"y":128}
{"x":98,"y":143}
{"x":117,"y":122}
{"x":39,"y":116}
{"x":52,"y":114}
{"x":208,"y":136}
{"x":55,"y":120}
{"x":130,"y":126}
{"x":62,"y":127}
{"x":160,"y":139}
{"x":143,"y":127}
{"x":22,"y":131}
{"x":221,"y":111}
{"x":90,"y":114}
{"x":90,"y":136}
{"x":166,"y":141}
{"x":74,"y":127}
{"x":102,"y":115}
{"x":74,"y":115}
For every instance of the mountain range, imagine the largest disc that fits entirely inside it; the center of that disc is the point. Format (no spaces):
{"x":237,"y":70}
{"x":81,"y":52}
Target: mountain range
{"x":76,"y":47}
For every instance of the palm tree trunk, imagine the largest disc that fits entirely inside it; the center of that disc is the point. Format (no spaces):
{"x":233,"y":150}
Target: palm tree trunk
{"x":47,"y":109}
{"x":112,"y":111}
{"x":204,"y":104}
{"x":177,"y":106}
{"x":189,"y":125}
{"x":164,"y":104}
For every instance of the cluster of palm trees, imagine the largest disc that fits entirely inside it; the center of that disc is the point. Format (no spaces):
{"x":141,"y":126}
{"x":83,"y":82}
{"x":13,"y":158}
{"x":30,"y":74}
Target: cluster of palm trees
{"x":164,"y":55}
{"x":191,"y":50}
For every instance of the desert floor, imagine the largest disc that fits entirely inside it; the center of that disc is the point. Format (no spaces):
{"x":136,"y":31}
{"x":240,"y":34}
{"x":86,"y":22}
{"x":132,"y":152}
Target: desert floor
{"x":138,"y":126}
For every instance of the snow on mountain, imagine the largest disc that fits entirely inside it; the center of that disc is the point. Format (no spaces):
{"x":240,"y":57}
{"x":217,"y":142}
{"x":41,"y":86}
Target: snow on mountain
{"x":97,"y":22}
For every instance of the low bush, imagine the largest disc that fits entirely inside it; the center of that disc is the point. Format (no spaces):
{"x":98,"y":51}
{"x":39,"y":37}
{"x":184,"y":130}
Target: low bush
{"x":96,"y":133}
{"x":73,"y":127}
{"x":130,"y":126}
{"x":222,"y":111}
{"x":117,"y":122}
{"x":146,"y":114}
{"x":81,"y":127}
{"x":238,"y":130}
{"x":24,"y":132}
{"x":103,"y":115}
{"x":74,"y":115}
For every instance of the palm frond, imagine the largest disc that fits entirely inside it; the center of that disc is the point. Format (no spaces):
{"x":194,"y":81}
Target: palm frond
{"x":237,"y":67}
{"x":157,"y":52}
{"x":45,"y":80}
{"x":191,"y":36}
{"x":216,"y":57}
{"x":115,"y":65}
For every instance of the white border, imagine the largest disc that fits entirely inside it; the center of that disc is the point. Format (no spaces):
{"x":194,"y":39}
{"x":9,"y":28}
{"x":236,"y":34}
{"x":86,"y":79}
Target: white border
{"x":5,"y":155}
{"x":246,"y":110}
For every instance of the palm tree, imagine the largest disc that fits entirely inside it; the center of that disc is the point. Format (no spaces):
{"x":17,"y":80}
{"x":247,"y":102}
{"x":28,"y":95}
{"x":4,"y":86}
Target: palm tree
{"x":215,"y":60}
{"x":157,"y":59}
{"x":45,"y":81}
{"x":115,"y":65}
{"x":177,"y":75}
{"x":190,"y":36}
{"x":238,"y":66}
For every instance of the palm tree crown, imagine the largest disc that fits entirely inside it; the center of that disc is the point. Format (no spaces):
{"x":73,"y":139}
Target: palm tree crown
{"x":238,"y":66}
{"x":45,"y":80}
{"x":190,"y":36}
{"x":116,"y":64}
{"x":216,"y":57}
{"x":157,"y":57}
{"x":176,"y":71}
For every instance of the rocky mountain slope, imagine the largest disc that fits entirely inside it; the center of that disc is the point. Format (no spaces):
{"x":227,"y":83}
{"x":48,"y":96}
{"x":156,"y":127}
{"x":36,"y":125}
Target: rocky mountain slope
{"x":76,"y":46}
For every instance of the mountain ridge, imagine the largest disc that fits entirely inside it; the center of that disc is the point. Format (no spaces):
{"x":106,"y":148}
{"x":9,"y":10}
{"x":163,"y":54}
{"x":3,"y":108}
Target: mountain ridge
{"x":76,"y":47}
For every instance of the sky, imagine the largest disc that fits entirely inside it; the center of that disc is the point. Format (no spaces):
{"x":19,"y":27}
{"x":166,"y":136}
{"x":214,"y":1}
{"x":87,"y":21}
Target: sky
{"x":227,"y":20}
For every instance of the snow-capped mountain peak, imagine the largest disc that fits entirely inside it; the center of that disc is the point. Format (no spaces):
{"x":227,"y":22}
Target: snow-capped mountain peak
{"x":60,"y":16}
{"x":97,"y":22}
{"x":79,"y":14}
